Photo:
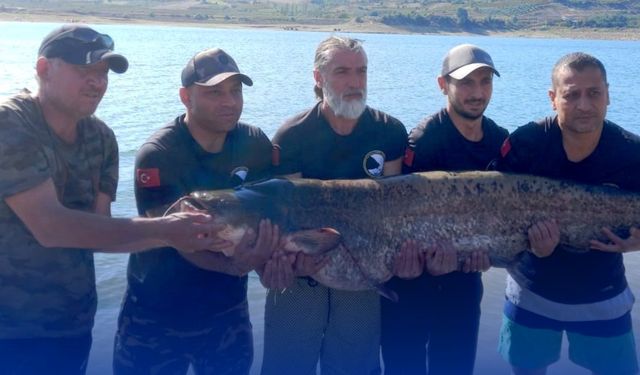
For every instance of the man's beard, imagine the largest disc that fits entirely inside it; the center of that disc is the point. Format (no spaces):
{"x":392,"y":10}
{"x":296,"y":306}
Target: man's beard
{"x":351,"y":109}
{"x":459,"y":109}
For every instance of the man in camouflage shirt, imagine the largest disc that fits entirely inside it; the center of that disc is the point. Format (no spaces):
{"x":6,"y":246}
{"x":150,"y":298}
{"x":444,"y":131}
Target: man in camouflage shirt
{"x":59,"y":168}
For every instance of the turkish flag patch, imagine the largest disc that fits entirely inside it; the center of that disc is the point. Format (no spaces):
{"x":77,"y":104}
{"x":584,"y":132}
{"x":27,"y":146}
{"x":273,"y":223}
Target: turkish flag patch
{"x":409,"y":154}
{"x":506,"y":147}
{"x":148,"y":178}
{"x":275,"y":155}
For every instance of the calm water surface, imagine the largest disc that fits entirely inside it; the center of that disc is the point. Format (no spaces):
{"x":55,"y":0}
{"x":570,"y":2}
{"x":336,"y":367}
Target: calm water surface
{"x":402,"y":72}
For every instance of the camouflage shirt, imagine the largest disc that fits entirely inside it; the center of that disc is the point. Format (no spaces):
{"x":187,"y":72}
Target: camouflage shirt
{"x":48,"y":292}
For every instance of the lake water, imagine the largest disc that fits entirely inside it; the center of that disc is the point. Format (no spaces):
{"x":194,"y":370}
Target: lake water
{"x":402,"y":82}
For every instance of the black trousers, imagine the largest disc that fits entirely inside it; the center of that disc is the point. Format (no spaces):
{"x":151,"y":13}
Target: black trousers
{"x":52,"y":356}
{"x":433,"y":328}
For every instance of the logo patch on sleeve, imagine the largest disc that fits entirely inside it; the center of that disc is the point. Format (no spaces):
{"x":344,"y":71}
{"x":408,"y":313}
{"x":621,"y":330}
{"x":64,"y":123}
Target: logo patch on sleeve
{"x":409,"y":154}
{"x":373,"y":163}
{"x":148,"y":178}
{"x":275,"y":155}
{"x":505,"y":148}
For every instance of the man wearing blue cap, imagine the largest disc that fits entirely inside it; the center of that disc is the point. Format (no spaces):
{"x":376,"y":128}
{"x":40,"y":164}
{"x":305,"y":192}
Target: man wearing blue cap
{"x":59,"y":175}
{"x":181,"y":310}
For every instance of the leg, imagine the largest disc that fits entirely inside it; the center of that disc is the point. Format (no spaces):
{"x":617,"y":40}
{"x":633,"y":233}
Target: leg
{"x":604,"y":347}
{"x":45,"y":355}
{"x":143,"y":346}
{"x":352,"y":339}
{"x":455,"y":320}
{"x":528,"y":350}
{"x":295,"y":321}
{"x":227,"y":348}
{"x":404,"y":331}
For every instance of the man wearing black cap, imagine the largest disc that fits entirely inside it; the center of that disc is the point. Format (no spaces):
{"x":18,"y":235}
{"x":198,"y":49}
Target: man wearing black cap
{"x":437,"y":317}
{"x":179,"y":309}
{"x":59,"y":175}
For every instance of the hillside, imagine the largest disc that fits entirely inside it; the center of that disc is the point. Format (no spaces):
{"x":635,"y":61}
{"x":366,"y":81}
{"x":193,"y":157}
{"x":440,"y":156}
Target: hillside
{"x":426,"y":16}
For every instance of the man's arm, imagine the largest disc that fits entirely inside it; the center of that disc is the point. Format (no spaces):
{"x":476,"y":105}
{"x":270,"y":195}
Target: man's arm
{"x":618,"y":244}
{"x":54,"y":225}
{"x":393,"y":167}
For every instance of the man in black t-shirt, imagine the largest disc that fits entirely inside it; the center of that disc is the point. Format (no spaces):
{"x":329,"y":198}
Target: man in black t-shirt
{"x":191,"y":309}
{"x":437,"y":317}
{"x":339,"y":137}
{"x":553,"y":290}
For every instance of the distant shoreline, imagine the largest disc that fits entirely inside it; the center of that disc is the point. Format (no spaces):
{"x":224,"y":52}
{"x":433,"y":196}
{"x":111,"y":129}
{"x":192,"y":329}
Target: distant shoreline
{"x":347,"y":27}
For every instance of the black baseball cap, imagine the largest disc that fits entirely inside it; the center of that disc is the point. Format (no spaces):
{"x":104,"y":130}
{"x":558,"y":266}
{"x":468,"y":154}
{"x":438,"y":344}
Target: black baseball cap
{"x":210,"y":67}
{"x":464,"y":59}
{"x":79,"y":44}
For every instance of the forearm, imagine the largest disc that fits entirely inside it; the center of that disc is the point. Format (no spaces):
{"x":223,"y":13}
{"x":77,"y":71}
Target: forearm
{"x":77,"y":229}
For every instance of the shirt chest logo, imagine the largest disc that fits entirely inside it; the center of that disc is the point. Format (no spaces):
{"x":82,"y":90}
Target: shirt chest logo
{"x":373,"y":163}
{"x":239,"y":175}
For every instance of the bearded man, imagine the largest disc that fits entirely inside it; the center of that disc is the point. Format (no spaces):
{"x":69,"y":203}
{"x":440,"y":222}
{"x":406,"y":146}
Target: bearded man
{"x":339,"y":138}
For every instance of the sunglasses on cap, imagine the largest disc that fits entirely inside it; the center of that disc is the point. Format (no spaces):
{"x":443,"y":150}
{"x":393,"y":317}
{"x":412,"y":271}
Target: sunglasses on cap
{"x":84,"y":36}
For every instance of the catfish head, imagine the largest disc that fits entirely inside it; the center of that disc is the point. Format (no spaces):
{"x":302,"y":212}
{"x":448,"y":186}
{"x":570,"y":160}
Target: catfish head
{"x":238,"y":211}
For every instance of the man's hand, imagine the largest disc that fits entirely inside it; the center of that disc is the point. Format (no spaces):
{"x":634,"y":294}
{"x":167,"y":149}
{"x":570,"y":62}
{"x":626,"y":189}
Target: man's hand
{"x":440,"y":261}
{"x":544,"y":236}
{"x":618,"y":244}
{"x":253,"y":251}
{"x":189,"y":231}
{"x":307,"y":265}
{"x":278,"y":271}
{"x":409,"y":261}
{"x":478,"y":261}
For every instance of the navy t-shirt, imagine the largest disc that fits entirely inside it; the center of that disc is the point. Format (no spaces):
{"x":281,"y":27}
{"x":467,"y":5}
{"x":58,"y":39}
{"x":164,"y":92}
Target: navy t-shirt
{"x":566,"y":276}
{"x":172,"y":164}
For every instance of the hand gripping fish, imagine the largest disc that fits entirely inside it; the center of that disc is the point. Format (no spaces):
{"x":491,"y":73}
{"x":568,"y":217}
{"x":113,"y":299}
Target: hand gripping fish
{"x":470,"y":211}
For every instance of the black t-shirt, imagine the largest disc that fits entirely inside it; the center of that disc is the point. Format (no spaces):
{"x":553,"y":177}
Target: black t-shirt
{"x":565,"y":276}
{"x":309,"y":145}
{"x":437,"y":145}
{"x":172,"y":164}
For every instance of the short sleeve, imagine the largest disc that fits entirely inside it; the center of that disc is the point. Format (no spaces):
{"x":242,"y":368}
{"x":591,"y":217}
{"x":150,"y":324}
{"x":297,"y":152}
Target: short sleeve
{"x":422,"y":150}
{"x":396,"y":140}
{"x":287,"y":155}
{"x":156,"y":183}
{"x":23,"y":162}
{"x":109,"y":169}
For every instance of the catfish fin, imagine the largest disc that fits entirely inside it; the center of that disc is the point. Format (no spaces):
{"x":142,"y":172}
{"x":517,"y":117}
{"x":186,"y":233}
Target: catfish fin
{"x":312,"y":241}
{"x":387,"y":292}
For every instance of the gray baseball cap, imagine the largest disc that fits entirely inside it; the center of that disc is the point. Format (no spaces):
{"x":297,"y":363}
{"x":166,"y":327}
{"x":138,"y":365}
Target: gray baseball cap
{"x":464,"y":59}
{"x":210,"y":67}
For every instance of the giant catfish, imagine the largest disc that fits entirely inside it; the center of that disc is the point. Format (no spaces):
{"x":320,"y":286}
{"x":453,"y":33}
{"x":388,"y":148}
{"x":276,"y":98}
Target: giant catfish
{"x":469,"y":211}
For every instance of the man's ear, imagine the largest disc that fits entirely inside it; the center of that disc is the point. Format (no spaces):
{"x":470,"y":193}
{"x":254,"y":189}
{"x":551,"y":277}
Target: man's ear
{"x":552,"y":96}
{"x":185,"y":96}
{"x":442,"y":84}
{"x":42,"y":67}
{"x":317,"y":76}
